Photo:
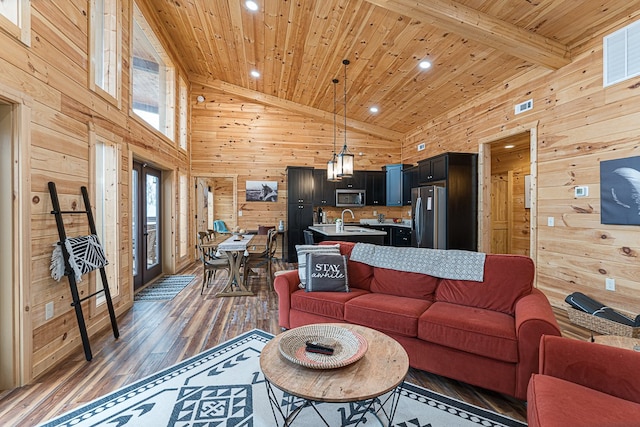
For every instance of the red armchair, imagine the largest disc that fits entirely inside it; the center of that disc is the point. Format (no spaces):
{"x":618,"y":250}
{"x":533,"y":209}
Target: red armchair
{"x":584,"y":384}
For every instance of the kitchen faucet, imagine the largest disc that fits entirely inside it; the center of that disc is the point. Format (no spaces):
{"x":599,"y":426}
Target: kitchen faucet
{"x":342,"y":216}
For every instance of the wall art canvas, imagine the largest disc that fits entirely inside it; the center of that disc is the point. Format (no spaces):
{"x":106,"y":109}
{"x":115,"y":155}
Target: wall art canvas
{"x":620,"y":191}
{"x":262,"y":191}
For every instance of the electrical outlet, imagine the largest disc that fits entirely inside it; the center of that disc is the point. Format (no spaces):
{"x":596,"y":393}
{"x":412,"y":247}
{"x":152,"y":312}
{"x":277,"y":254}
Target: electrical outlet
{"x":239,"y":213}
{"x":48,"y":311}
{"x":610,"y":284}
{"x":375,"y":213}
{"x":550,"y":221}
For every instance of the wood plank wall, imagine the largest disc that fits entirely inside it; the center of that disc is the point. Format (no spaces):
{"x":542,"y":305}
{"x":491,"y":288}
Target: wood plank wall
{"x":580,"y":124}
{"x":53,"y":74}
{"x":233,"y":136}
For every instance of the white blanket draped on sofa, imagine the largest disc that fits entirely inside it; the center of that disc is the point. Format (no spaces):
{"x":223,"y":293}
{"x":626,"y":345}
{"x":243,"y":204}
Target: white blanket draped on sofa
{"x":447,"y":264}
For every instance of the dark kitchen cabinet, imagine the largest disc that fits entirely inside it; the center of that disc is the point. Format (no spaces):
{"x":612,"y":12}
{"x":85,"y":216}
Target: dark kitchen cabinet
{"x":324,"y":192}
{"x":299,"y":207}
{"x":401,"y":236}
{"x":357,"y":182}
{"x":299,"y":185}
{"x":409,"y":180}
{"x":375,"y":185}
{"x":433,"y":169}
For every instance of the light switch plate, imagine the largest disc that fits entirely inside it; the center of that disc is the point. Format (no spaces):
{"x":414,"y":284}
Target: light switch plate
{"x":550,"y":221}
{"x":582,"y":191}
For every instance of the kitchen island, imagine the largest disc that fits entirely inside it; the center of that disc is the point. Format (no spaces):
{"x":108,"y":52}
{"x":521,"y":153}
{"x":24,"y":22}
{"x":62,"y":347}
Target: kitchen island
{"x":322,"y":232}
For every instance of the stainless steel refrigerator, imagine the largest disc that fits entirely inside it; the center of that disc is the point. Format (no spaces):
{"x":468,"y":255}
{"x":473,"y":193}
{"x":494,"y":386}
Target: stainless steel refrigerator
{"x":429,"y":217}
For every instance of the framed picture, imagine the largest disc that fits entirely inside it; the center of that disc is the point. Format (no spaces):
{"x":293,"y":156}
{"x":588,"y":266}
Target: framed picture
{"x":620,"y":191}
{"x":262,"y":191}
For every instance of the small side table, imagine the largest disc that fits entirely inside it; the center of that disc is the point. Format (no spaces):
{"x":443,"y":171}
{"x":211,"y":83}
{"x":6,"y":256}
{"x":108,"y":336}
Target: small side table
{"x":620,"y":342}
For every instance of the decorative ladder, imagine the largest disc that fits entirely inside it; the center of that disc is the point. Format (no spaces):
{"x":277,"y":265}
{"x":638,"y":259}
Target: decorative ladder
{"x":77,"y":301}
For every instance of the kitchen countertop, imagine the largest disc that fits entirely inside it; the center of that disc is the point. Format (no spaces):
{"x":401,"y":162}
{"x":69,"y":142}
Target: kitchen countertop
{"x":349,"y":230}
{"x":406,"y":223}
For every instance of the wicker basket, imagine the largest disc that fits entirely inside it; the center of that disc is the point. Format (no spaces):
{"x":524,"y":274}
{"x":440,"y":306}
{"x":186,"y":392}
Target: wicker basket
{"x":599,"y":324}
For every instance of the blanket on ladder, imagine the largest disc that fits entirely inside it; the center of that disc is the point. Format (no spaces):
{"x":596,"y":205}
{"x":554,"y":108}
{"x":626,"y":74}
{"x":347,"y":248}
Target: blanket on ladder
{"x":85,"y":255}
{"x":447,"y":264}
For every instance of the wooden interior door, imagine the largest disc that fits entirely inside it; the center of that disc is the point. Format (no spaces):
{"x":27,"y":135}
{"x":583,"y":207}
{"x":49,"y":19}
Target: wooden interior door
{"x":500,"y":233}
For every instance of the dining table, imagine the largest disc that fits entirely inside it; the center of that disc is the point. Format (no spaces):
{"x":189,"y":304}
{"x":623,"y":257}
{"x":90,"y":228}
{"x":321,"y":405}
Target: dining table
{"x":237,"y":248}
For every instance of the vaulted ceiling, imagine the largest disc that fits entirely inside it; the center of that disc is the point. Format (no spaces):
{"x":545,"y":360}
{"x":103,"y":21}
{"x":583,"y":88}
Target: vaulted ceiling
{"x":298,"y":47}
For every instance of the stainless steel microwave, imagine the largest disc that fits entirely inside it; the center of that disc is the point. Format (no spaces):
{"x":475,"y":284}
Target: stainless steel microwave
{"x":350,"y":198}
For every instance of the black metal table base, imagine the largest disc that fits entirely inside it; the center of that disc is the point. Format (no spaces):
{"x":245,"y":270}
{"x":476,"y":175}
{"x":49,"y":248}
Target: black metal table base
{"x":375,"y":407}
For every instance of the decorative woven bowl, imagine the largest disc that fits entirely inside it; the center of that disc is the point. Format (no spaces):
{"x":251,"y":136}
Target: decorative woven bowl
{"x":349,"y":346}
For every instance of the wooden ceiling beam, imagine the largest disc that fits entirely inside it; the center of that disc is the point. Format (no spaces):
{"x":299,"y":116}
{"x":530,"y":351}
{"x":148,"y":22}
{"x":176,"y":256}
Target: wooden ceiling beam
{"x":274,"y":101}
{"x":478,"y":26}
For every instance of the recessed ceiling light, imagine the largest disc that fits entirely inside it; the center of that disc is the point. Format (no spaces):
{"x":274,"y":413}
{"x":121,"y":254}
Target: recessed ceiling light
{"x":255,"y":74}
{"x":374,"y":109}
{"x":509,"y":146}
{"x":251,"y":5}
{"x":425,"y":64}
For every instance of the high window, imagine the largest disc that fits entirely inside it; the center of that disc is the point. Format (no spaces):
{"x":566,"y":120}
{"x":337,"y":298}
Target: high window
{"x":105,"y":44}
{"x":153,"y":77}
{"x":183,"y":112}
{"x":184,"y":214}
{"x":106,"y":208}
{"x":15,"y":18}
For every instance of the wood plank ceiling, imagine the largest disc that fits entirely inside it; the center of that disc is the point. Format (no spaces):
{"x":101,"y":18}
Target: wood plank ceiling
{"x":298,"y":47}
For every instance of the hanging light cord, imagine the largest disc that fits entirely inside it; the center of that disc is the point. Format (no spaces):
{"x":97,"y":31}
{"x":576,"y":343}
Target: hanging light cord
{"x":335,"y":109}
{"x":345,"y":62}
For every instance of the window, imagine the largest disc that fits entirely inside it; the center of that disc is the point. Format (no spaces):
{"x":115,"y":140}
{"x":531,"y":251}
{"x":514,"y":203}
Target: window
{"x":15,"y":18}
{"x":107,"y":215}
{"x":184,"y":214}
{"x":153,"y":78}
{"x":183,"y":112}
{"x":105,"y":44}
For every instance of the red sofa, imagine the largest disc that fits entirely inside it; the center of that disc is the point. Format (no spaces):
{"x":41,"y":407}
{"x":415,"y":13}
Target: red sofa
{"x":486,"y":334}
{"x":584,"y":384}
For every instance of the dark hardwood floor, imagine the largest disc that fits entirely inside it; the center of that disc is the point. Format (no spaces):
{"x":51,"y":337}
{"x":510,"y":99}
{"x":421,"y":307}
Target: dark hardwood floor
{"x":158,"y":334}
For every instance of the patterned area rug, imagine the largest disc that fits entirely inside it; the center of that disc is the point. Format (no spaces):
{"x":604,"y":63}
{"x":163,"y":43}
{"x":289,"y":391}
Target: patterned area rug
{"x":224,"y":386}
{"x":164,"y":288}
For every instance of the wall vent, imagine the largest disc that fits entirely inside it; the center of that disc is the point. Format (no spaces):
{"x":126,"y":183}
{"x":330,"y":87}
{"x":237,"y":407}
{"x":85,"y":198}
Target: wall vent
{"x":621,"y":52}
{"x":421,"y":146}
{"x":524,"y":106}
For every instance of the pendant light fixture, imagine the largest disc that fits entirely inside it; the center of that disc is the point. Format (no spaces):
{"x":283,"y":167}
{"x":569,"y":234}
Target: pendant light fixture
{"x":332,"y":165}
{"x":345,"y":158}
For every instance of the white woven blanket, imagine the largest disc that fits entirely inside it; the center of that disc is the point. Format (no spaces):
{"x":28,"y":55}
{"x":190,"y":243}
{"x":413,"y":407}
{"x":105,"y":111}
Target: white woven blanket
{"x":447,"y":264}
{"x":85,"y":255}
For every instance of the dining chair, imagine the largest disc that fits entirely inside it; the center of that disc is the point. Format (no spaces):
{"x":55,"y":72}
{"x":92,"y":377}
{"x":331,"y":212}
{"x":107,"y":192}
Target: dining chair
{"x":264,"y":229}
{"x":220,"y":227}
{"x":272,"y":247}
{"x":255,"y":260}
{"x":211,"y":264}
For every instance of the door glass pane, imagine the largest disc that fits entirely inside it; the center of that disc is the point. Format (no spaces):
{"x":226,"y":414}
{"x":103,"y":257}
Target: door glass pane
{"x":135,"y":230}
{"x":153,"y":199}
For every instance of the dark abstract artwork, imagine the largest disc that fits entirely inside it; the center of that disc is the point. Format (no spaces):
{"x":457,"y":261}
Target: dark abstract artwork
{"x":620,"y":191}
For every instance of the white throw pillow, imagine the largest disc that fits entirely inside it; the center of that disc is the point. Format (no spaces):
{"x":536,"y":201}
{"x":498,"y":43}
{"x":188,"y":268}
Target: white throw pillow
{"x":303,"y":250}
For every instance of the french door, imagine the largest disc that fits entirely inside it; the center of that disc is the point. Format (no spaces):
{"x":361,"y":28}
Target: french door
{"x":146,"y":224}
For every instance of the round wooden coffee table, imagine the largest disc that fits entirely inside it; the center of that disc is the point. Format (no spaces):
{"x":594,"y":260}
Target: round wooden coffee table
{"x":381,"y":370}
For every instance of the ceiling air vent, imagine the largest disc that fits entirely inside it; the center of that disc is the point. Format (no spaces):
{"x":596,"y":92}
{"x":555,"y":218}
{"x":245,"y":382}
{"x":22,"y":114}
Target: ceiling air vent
{"x":524,"y":106}
{"x":622,"y":54}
